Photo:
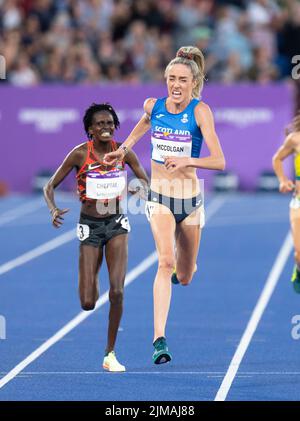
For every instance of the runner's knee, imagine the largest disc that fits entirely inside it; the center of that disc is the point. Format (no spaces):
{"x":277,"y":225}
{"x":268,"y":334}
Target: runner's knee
{"x":167,"y":262}
{"x":185,"y":281}
{"x":185,"y":278}
{"x":297,"y":255}
{"x":116,"y":295}
{"x":87,"y":304}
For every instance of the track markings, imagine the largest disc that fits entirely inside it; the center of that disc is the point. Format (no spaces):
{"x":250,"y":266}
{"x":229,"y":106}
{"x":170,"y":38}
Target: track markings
{"x":256,"y":316}
{"x":38,"y":251}
{"x":213,"y":207}
{"x":21,"y":210}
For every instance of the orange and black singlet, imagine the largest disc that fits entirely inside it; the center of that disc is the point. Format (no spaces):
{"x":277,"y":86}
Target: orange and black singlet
{"x":98,"y":181}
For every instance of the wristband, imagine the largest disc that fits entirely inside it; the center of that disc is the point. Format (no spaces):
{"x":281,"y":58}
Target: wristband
{"x":125,"y":149}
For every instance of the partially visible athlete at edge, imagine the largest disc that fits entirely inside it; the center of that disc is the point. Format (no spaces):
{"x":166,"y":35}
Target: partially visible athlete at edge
{"x":102,"y":223}
{"x":291,"y":146}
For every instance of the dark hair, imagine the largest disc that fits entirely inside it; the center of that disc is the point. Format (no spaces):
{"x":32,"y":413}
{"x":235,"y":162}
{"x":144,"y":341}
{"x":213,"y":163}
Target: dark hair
{"x":96,"y":108}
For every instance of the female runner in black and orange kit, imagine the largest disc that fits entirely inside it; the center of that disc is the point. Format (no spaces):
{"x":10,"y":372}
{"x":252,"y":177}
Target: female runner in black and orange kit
{"x":102,"y":222}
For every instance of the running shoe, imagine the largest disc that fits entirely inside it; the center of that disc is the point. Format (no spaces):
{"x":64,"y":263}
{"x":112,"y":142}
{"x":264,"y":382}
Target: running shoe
{"x":174,"y":278}
{"x":296,"y":280}
{"x":161,"y":353}
{"x":110,"y":363}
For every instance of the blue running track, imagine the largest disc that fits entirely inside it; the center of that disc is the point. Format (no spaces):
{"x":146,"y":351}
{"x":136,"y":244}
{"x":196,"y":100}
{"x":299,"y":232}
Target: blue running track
{"x":239,"y":247}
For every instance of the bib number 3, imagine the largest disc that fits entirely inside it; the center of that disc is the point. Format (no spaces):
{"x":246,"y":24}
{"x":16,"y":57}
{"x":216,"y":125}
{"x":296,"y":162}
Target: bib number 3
{"x":83,"y":232}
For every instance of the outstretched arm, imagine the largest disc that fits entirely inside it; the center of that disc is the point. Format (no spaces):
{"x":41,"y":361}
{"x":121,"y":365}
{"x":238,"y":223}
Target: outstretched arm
{"x":60,"y":174}
{"x":286,"y":149}
{"x":138,"y":131}
{"x":132,"y":160}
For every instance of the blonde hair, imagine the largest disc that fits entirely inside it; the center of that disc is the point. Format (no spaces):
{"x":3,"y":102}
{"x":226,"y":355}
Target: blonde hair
{"x":295,"y":125}
{"x":194,"y":59}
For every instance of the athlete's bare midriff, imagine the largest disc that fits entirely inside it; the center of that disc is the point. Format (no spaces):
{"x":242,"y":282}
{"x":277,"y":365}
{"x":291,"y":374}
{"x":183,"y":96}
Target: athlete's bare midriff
{"x":99,"y":209}
{"x":181,"y":184}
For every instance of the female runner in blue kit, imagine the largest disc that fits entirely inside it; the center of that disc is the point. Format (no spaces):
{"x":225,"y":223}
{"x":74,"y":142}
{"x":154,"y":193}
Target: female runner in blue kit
{"x":102,"y":223}
{"x":178,"y":125}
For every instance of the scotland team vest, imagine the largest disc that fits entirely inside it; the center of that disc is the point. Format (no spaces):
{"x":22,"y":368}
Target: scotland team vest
{"x":174,"y":134}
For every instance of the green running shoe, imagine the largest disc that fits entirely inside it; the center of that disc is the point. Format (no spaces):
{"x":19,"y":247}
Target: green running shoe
{"x":161,"y":353}
{"x":174,"y":278}
{"x":296,"y":280}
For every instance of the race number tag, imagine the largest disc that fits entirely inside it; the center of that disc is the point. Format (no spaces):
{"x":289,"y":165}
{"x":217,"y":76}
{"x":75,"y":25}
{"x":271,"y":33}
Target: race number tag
{"x":295,"y":203}
{"x":83,"y":232}
{"x":149,"y":209}
{"x":168,"y":144}
{"x":202,"y":216}
{"x":105,"y":186}
{"x":125,"y":223}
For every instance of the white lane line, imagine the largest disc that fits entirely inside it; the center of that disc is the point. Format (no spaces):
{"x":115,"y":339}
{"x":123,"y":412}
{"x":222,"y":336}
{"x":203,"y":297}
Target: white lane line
{"x":42,"y":220}
{"x":131,"y":276}
{"x":38,"y":251}
{"x":67,"y":373}
{"x":266,"y":219}
{"x":70,"y":235}
{"x":255,"y":317}
{"x":21,"y":210}
{"x":202,"y":373}
{"x":214,"y":206}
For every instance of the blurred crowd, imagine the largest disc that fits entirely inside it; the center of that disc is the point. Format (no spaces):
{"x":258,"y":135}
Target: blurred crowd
{"x":98,"y":41}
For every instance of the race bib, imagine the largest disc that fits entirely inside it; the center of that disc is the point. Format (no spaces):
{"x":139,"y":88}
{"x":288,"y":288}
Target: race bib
{"x":169,"y":144}
{"x":125,"y":223}
{"x":196,"y":218}
{"x":149,"y":209}
{"x":202,"y":216}
{"x":83,"y":232}
{"x":295,"y":203}
{"x":105,"y":186}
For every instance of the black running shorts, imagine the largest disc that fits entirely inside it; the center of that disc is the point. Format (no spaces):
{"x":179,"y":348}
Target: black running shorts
{"x":98,"y":231}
